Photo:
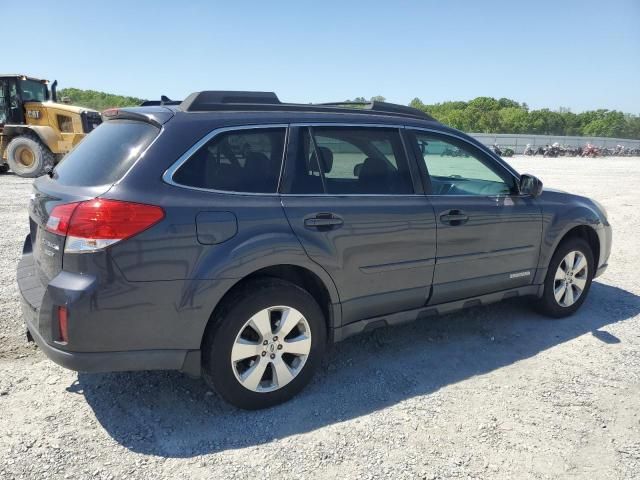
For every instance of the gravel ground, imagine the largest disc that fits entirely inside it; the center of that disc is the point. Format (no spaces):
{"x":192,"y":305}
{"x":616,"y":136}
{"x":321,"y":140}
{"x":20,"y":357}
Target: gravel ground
{"x":495,"y":392}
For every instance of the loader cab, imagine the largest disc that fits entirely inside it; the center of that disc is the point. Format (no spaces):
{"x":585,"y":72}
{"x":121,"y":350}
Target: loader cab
{"x":15,"y":90}
{"x":11,"y":111}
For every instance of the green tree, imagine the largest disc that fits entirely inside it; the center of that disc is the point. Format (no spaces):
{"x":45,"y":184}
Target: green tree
{"x":513,"y":120}
{"x":97,"y":100}
{"x":488,"y":115}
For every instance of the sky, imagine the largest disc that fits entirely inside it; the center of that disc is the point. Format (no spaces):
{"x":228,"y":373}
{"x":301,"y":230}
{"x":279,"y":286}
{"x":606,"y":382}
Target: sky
{"x":564,"y":53}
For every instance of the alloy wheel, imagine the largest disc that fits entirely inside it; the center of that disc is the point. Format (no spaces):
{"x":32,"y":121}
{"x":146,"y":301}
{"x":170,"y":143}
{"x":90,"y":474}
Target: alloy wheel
{"x":571,"y":278}
{"x":271,"y":349}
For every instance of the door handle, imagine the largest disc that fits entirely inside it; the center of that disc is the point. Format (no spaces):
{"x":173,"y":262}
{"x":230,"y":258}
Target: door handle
{"x":454,"y":217}
{"x":324,"y":221}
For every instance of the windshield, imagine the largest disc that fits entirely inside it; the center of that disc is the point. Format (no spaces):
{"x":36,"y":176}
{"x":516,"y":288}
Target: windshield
{"x":33,"y":91}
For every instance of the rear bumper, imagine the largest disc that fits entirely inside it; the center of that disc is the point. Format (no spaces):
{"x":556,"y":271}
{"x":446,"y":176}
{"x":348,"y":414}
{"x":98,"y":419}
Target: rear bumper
{"x":116,"y":361}
{"x":38,"y":305}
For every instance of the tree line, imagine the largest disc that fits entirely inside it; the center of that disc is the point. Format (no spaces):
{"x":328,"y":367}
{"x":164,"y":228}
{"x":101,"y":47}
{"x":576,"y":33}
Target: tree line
{"x":96,"y":100}
{"x":480,"y":115}
{"x":489,"y":115}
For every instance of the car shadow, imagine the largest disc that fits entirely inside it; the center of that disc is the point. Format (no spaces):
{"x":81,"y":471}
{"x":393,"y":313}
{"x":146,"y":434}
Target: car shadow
{"x":168,"y":414}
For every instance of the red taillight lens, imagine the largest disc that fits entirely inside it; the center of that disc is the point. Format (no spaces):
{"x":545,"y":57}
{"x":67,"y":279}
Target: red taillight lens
{"x":98,"y":223}
{"x":60,"y":218}
{"x":63,"y":324}
{"x":112,"y":219}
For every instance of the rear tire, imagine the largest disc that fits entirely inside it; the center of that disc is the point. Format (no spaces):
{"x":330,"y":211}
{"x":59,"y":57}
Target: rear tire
{"x":246,"y":353}
{"x":28,"y":157}
{"x":568,"y":279}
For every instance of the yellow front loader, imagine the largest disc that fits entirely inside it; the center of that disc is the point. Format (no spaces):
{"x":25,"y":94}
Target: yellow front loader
{"x":35,"y":130}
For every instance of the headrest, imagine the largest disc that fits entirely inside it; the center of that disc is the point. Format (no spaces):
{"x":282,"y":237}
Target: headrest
{"x":256,"y":160}
{"x":374,"y":167}
{"x":326,"y":156}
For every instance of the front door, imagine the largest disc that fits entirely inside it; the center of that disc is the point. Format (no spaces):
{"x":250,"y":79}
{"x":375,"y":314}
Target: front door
{"x":488,"y":235}
{"x":358,"y":215}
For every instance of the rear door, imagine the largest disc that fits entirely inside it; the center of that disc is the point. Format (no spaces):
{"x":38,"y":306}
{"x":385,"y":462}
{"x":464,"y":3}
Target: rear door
{"x":488,"y":234}
{"x":350,"y":197}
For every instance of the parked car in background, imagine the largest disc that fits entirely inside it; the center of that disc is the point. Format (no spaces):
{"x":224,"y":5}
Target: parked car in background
{"x":236,"y":237}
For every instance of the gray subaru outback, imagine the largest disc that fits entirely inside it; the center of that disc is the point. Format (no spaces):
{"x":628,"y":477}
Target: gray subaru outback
{"x":235,"y":237}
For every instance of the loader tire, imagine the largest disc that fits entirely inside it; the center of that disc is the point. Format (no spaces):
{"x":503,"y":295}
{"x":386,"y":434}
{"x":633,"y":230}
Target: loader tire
{"x":28,"y":157}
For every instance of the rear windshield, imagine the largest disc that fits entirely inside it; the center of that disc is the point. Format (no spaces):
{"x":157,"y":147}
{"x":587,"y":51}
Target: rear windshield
{"x":106,"y":154}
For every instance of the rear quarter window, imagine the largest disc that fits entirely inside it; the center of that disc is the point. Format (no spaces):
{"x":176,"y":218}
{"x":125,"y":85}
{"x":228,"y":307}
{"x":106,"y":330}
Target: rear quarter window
{"x":245,"y":160}
{"x":106,"y":154}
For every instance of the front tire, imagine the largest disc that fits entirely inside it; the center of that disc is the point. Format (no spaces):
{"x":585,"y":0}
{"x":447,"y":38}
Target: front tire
{"x":568,"y":278}
{"x":264,"y":344}
{"x":28,"y":157}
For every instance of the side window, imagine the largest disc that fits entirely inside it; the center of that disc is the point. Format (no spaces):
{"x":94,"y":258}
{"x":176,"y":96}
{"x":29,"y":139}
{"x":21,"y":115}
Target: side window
{"x":236,"y":161}
{"x":305,"y":177}
{"x":455,"y":169}
{"x":353,"y":160}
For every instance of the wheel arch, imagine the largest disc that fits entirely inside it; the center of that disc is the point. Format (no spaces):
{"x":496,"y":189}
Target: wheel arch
{"x":46,"y":134}
{"x":584,"y":231}
{"x":321,"y":288}
{"x":587,"y":233}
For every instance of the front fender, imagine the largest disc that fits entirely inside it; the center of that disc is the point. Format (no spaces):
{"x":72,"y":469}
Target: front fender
{"x":562,"y":212}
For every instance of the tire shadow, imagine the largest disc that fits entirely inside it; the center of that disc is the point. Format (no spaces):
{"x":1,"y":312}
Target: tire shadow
{"x":170,"y":415}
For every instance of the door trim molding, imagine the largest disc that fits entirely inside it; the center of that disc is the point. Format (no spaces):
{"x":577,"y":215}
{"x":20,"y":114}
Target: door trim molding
{"x":483,"y":255}
{"x":386,"y":267}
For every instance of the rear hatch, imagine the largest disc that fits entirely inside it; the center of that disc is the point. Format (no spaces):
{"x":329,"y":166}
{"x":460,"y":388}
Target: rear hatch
{"x":86,"y":172}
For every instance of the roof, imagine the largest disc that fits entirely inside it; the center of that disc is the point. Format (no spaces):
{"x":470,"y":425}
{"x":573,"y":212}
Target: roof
{"x":20,"y":75}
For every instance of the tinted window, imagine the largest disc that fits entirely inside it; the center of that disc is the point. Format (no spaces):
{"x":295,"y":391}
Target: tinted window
{"x":353,"y":160}
{"x":456,"y":169}
{"x":303,"y":175}
{"x":106,"y":154}
{"x":236,"y":161}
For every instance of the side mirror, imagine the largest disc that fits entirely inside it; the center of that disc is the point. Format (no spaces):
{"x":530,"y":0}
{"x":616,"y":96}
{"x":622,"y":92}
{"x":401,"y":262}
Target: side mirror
{"x":530,"y":185}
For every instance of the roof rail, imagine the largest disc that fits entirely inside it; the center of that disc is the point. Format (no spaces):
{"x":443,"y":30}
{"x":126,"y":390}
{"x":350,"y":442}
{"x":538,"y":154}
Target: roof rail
{"x":384,"y":107}
{"x":203,"y":101}
{"x":268,"y":101}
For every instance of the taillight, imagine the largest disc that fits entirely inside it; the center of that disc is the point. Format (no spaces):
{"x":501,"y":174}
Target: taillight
{"x":63,"y":324}
{"x":60,"y":218}
{"x":96,"y":224}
